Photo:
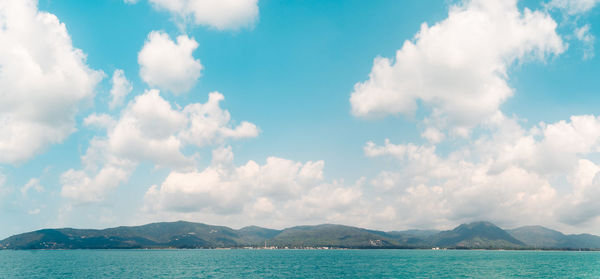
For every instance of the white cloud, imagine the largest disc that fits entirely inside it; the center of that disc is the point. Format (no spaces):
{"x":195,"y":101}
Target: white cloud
{"x":102,"y":172}
{"x":103,"y":121}
{"x":433,"y":135}
{"x":228,"y":189}
{"x":150,"y":129}
{"x":209,"y":124}
{"x":34,"y":184}
{"x":222,"y":155}
{"x":169,"y":65}
{"x":43,"y":79}
{"x":79,"y":186}
{"x":146,"y":131}
{"x":583,"y":34}
{"x":581,"y":206}
{"x":458,"y":67}
{"x":222,"y":14}
{"x":573,"y":6}
{"x":120,"y":88}
{"x":510,"y":176}
{"x":280,"y":192}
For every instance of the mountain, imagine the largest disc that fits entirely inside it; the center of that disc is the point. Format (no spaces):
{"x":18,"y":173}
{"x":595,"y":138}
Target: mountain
{"x":483,"y":235}
{"x":332,"y":235}
{"x":541,"y":237}
{"x":475,"y":235}
{"x":582,"y":241}
{"x":157,"y":235}
{"x":196,"y":235}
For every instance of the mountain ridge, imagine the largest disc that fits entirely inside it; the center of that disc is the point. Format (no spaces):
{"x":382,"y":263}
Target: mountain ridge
{"x":185,"y":235}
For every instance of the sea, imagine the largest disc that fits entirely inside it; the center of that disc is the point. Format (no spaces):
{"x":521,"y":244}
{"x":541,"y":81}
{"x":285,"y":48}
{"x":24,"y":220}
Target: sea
{"x":298,"y":264}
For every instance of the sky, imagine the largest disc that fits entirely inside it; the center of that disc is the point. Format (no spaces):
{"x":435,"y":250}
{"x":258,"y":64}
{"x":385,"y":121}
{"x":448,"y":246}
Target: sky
{"x":382,"y":114}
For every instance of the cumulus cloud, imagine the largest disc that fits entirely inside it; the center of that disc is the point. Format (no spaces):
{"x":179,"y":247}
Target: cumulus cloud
{"x":149,"y":129}
{"x":223,"y":14}
{"x":167,"y":64}
{"x":43,"y":79}
{"x":511,"y":175}
{"x":120,"y":88}
{"x":581,"y":205}
{"x":458,"y":67}
{"x":228,"y":189}
{"x":146,"y":131}
{"x":280,"y":192}
{"x":209,"y":124}
{"x":77,"y":185}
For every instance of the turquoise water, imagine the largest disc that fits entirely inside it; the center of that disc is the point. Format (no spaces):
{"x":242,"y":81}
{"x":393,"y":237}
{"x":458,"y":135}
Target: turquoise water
{"x":298,"y":264}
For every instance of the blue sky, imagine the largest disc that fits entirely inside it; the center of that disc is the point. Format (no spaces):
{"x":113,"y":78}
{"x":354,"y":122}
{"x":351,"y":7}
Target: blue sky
{"x":289,"y":69}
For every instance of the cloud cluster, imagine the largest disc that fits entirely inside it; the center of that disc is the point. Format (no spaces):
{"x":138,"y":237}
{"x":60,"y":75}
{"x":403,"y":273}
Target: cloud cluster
{"x":279,"y":192}
{"x":149,"y":129}
{"x":169,"y":65}
{"x":458,"y":68}
{"x":43,"y":80}
{"x":227,"y":189}
{"x":511,"y":176}
{"x":222,"y":14}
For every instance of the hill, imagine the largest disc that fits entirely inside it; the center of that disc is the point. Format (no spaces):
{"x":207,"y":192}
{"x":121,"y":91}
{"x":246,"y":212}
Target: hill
{"x":196,"y":235}
{"x":541,"y":237}
{"x":477,"y":235}
{"x":334,"y":236}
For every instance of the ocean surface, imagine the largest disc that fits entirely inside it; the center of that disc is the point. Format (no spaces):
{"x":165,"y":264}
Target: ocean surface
{"x":298,"y":264}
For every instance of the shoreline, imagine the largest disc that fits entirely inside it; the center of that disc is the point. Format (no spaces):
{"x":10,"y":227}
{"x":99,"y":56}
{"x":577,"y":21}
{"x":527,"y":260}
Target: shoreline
{"x":309,"y":248}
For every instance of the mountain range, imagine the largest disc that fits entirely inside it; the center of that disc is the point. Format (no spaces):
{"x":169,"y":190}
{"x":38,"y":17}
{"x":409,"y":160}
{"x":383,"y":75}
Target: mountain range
{"x":181,"y":234}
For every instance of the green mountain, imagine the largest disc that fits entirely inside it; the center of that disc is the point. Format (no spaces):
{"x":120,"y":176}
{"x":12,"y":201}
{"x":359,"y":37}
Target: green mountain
{"x":541,"y":237}
{"x":195,"y":235}
{"x":332,"y":235}
{"x":182,"y":234}
{"x":475,"y":235}
{"x":157,"y":235}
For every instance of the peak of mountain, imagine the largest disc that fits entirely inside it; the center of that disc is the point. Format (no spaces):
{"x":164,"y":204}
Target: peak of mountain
{"x":182,"y":234}
{"x":476,"y":235}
